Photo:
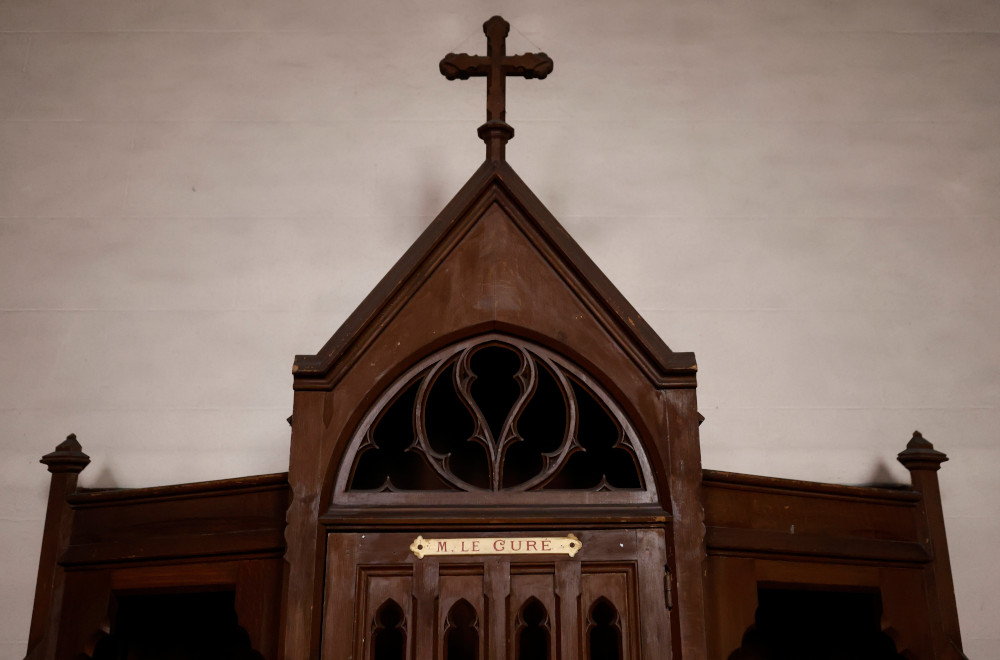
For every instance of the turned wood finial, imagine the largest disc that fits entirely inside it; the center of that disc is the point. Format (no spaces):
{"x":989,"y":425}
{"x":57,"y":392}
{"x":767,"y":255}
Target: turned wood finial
{"x":496,"y":65}
{"x":68,"y":457}
{"x":921,"y":455}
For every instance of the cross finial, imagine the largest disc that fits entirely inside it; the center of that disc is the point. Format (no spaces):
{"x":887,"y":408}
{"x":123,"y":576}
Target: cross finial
{"x":496,"y":65}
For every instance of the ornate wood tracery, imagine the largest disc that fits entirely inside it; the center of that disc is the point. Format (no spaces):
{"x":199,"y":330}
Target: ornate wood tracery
{"x":496,"y":414}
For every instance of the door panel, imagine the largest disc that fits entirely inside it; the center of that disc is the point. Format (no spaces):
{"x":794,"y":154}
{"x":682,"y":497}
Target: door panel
{"x":462,"y":623}
{"x":509,"y":607}
{"x":532,"y":614}
{"x":386,"y":606}
{"x":606,"y":597}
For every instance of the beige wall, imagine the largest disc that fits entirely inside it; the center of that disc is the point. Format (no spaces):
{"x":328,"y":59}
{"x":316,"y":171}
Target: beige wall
{"x":805,"y":193}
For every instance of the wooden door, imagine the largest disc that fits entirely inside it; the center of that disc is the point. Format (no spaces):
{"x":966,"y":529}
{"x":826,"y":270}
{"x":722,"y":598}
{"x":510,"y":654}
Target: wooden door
{"x":384,"y":603}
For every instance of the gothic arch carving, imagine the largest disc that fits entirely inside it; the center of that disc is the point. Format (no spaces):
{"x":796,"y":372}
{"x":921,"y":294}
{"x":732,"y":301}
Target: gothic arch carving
{"x":461,"y":632}
{"x":388,"y":632}
{"x":604,"y":631}
{"x":495,"y":415}
{"x":532,"y":631}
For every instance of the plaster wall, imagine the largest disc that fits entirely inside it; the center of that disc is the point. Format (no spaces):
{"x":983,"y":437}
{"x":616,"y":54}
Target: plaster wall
{"x":804,"y":193}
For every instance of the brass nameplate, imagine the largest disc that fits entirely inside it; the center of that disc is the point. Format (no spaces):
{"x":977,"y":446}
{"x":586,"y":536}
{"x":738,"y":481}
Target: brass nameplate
{"x":521,"y":545}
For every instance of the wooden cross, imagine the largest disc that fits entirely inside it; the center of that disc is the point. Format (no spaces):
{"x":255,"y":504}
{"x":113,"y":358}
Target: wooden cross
{"x":496,"y":65}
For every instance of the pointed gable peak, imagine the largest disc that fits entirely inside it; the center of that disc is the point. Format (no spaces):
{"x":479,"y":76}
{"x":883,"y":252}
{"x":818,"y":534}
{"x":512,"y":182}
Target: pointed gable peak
{"x":494,"y":258}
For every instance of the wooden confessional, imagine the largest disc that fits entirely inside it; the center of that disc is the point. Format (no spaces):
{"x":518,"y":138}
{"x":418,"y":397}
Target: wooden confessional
{"x":495,"y":457}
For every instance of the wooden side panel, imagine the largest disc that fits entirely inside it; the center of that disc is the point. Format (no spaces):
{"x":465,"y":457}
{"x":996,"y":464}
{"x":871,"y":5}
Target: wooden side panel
{"x":731,"y":603}
{"x":341,"y":594}
{"x":904,"y":611}
{"x":85,"y":617}
{"x":190,"y":520}
{"x":258,"y":602}
{"x":655,"y":583}
{"x":764,"y":516}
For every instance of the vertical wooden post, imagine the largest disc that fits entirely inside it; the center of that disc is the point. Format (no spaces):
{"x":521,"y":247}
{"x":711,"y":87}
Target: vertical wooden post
{"x":569,"y":623}
{"x":687,"y":506}
{"x":65,"y":464}
{"x":302,"y":598}
{"x":496,"y":589}
{"x":923,"y":462}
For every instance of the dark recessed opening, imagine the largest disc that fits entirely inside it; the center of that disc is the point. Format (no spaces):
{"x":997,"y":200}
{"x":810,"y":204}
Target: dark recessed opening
{"x":819,"y":625}
{"x":495,"y":388}
{"x":176,"y":626}
{"x":389,"y":462}
{"x":533,"y":636}
{"x":462,"y":637}
{"x":388,"y":634}
{"x":605,"y":636}
{"x":599,"y":462}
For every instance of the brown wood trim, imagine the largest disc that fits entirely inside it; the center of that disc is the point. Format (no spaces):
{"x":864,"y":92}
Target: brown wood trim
{"x":263,"y":542}
{"x":755,"y":542}
{"x":362,"y":519}
{"x":903,"y":495}
{"x":200,"y":489}
{"x":163,"y":576}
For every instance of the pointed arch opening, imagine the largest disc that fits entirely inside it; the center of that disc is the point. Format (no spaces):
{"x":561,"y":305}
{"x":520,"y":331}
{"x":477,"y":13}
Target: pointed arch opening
{"x":532,"y":631}
{"x":604,"y":631}
{"x":461,"y":632}
{"x":388,"y":632}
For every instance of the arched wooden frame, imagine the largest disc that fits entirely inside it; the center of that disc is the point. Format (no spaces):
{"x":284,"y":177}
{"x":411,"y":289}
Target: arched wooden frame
{"x":423,"y":375}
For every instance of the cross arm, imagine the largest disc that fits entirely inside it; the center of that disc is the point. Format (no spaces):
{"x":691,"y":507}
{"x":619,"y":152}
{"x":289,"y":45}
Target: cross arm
{"x":462,"y":66}
{"x":528,"y":65}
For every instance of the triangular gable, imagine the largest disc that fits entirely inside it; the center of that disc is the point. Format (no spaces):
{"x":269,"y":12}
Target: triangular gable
{"x":510,"y":227}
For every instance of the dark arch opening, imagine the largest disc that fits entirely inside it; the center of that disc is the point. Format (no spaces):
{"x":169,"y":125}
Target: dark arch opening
{"x":389,"y":632}
{"x":176,"y":626}
{"x":605,"y":635}
{"x":461,"y":637}
{"x":820,"y":625}
{"x":533,"y":631}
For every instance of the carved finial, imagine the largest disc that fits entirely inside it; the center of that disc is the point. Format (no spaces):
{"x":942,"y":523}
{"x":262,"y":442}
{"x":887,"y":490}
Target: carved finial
{"x":921,"y":455}
{"x":68,"y":457}
{"x":496,"y":65}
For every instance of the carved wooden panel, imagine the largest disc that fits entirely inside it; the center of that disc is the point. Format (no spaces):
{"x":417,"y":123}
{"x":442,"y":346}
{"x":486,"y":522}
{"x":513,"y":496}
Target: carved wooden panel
{"x":495,"y":414}
{"x":485,"y":608}
{"x":607,"y":597}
